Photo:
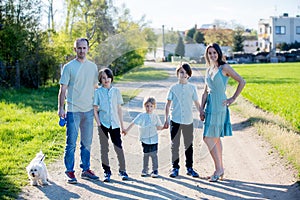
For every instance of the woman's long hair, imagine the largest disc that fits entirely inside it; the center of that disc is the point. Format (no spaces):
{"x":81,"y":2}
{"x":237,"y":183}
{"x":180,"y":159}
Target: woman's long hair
{"x":221,"y":59}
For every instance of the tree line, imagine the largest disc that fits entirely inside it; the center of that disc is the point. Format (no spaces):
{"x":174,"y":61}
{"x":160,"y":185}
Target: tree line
{"x":35,"y":53}
{"x":32,"y":55}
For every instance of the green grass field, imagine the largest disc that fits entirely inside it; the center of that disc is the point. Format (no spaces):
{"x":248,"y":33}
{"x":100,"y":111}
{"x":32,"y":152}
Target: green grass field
{"x":274,"y":88}
{"x":29,"y":123}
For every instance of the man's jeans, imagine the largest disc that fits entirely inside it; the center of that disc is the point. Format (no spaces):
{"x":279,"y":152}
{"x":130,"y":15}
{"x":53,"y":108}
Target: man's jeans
{"x":84,"y":122}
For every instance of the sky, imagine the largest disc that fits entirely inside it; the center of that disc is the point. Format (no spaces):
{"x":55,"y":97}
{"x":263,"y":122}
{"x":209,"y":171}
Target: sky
{"x":183,"y":15}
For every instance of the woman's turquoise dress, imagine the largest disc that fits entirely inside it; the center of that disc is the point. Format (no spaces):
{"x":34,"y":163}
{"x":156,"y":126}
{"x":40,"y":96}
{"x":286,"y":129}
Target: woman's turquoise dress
{"x":217,"y":119}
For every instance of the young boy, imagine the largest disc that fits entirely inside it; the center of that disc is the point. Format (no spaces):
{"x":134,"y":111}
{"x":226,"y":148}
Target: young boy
{"x":181,"y":97}
{"x":148,"y":124}
{"x":109,"y":118}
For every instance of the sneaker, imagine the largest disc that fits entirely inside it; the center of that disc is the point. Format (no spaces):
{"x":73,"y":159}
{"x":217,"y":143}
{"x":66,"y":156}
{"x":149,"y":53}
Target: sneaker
{"x":71,"y":177}
{"x":123,"y":175}
{"x":89,"y":175}
{"x":154,"y":174}
{"x":174,"y":173}
{"x":191,"y":172}
{"x":107,"y":176}
{"x":144,"y":173}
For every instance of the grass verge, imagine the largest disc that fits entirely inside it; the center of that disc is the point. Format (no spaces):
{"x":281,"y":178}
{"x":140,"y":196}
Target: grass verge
{"x":29,"y":123}
{"x":274,"y":129}
{"x":142,"y":74}
{"x":273,"y":90}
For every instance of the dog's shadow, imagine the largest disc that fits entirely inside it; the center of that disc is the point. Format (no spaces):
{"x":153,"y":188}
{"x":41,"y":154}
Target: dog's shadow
{"x":52,"y":189}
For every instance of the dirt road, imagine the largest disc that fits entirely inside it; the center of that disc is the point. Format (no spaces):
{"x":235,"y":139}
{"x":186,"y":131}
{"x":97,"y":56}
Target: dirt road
{"x":253,"y":170}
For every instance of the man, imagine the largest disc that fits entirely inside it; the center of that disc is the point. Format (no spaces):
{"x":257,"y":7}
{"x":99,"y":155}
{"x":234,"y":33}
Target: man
{"x":77,"y":83}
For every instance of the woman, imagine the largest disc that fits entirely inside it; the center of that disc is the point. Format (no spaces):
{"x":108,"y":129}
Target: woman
{"x":214,"y":105}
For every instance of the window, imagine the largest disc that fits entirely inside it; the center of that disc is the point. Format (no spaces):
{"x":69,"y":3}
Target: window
{"x":280,"y":30}
{"x":297,"y":29}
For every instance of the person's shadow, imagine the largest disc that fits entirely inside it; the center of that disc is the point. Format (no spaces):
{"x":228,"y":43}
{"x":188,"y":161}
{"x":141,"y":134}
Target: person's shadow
{"x":133,"y":189}
{"x":235,"y":189}
{"x":54,"y":191}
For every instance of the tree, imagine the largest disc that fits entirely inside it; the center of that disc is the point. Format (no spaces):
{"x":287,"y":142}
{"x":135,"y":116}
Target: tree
{"x":90,"y":19}
{"x":50,"y":15}
{"x":190,"y":35}
{"x":151,"y":39}
{"x":171,"y":37}
{"x":22,"y":43}
{"x":238,"y":40}
{"x":179,"y":50}
{"x":126,"y":49}
{"x":217,"y":35}
{"x":198,"y":37}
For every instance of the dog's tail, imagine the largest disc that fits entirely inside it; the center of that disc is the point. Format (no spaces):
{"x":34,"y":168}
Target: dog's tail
{"x":40,"y":156}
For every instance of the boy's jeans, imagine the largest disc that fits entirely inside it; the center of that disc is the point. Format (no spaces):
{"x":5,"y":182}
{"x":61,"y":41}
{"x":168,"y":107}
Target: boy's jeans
{"x":187,"y":132}
{"x":84,"y":122}
{"x":150,"y":150}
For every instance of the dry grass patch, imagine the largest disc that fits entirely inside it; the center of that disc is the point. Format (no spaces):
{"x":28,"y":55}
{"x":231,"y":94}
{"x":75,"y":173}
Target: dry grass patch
{"x":277,"y":131}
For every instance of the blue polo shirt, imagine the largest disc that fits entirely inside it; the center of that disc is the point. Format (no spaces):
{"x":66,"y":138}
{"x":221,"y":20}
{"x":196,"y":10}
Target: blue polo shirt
{"x":182,"y":97}
{"x":107,"y":101}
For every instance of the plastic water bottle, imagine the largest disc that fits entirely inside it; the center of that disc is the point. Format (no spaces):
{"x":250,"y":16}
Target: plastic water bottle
{"x":62,"y":121}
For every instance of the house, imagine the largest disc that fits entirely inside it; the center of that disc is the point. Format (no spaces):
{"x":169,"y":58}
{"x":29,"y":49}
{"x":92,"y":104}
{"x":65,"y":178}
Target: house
{"x":278,"y":30}
{"x":193,"y":51}
{"x":250,"y":43}
{"x":250,"y":46}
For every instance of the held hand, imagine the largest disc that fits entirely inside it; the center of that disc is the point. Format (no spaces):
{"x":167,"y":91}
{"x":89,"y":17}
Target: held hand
{"x":124,"y":132}
{"x":166,"y":125}
{"x":202,"y":115}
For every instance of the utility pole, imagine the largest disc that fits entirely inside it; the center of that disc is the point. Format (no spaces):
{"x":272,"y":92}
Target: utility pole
{"x":163,"y":41}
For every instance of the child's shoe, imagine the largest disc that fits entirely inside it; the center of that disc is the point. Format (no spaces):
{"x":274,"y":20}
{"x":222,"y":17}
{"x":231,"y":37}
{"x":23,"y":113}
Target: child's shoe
{"x":107,"y":176}
{"x":123,"y":175}
{"x":191,"y":172}
{"x":154,"y":174}
{"x":174,"y":172}
{"x":144,"y":173}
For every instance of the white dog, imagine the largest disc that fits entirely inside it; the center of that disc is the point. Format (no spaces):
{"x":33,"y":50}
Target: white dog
{"x":37,"y":171}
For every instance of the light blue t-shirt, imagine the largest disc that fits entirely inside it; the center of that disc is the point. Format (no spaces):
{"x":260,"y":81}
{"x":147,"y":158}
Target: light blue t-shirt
{"x":147,"y":124}
{"x":182,"y":97}
{"x":81,"y":79}
{"x":107,"y":101}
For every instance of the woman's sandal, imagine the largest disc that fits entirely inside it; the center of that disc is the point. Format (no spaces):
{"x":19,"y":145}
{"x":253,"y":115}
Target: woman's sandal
{"x":215,"y":178}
